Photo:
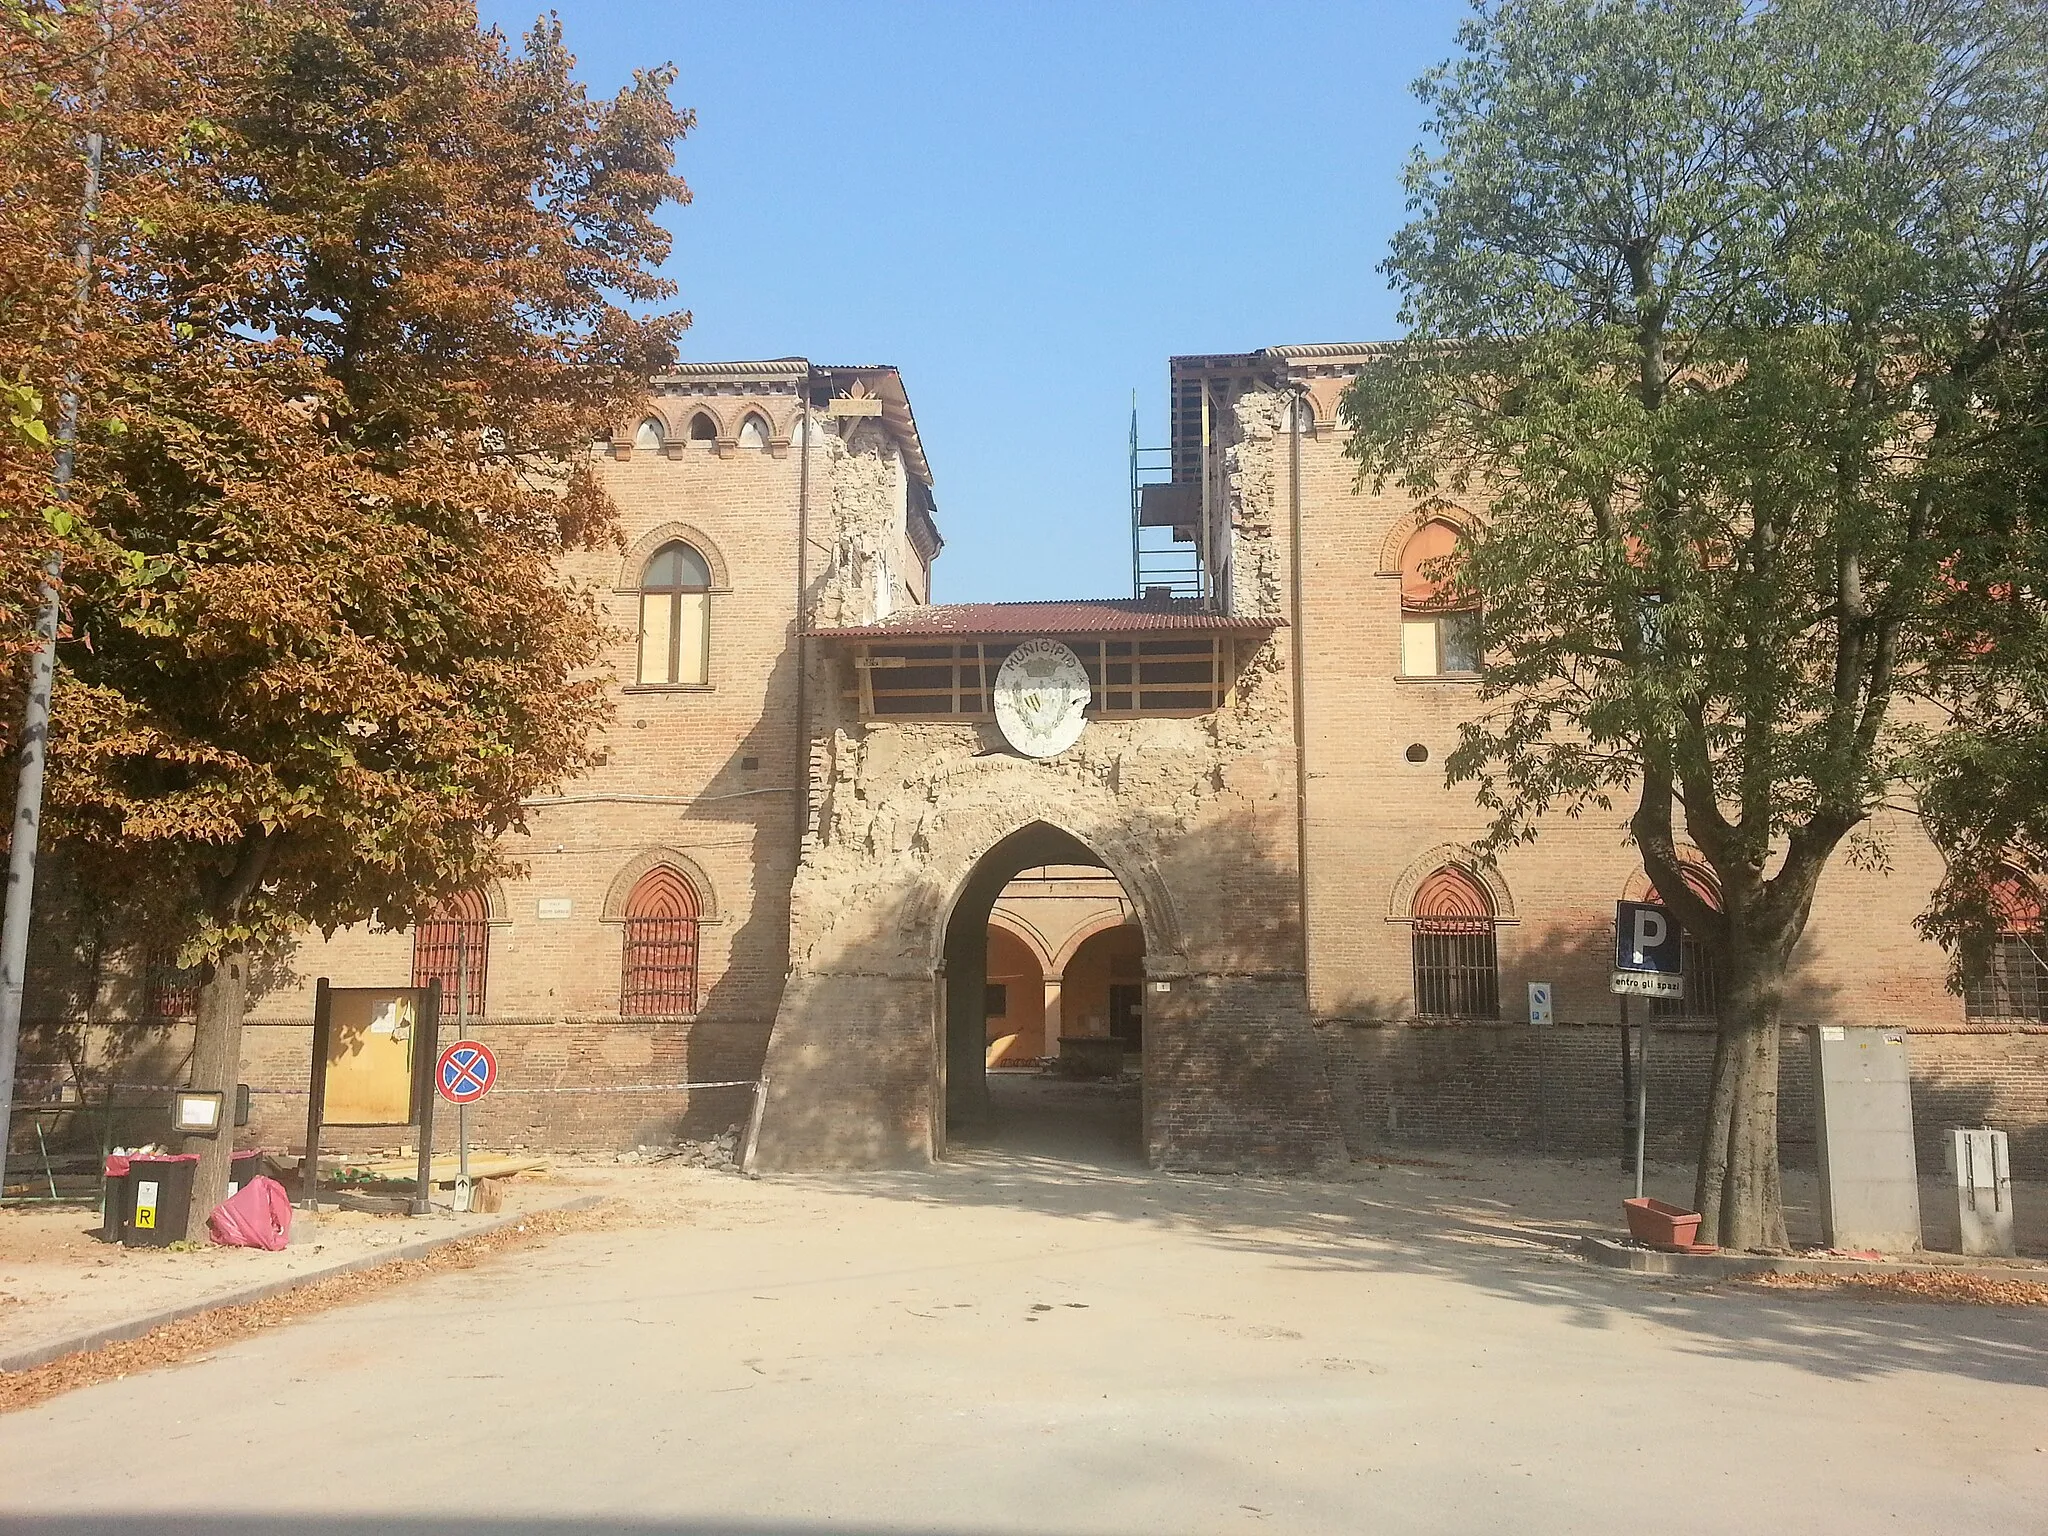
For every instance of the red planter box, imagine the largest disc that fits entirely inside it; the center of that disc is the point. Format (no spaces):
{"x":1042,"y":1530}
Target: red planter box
{"x":1657,"y":1225}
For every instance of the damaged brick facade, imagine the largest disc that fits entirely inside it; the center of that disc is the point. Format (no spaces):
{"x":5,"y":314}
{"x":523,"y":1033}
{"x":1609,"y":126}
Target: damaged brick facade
{"x":1275,"y":847}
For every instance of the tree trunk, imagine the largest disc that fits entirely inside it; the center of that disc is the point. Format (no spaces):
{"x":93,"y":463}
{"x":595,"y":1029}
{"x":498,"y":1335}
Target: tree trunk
{"x":1739,"y":1195}
{"x":216,"y":1068}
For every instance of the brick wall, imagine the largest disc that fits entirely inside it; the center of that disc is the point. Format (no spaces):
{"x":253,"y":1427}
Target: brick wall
{"x":1557,"y":1090}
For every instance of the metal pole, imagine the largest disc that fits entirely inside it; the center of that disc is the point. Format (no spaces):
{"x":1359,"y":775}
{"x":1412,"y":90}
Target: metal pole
{"x":316,"y":1092}
{"x":1642,"y":1096}
{"x":426,"y":1038}
{"x":461,"y":1033}
{"x":1628,"y":1089}
{"x":35,"y":724}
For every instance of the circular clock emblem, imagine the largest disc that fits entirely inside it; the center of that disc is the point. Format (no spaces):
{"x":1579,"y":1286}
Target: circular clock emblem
{"x":1041,"y":698}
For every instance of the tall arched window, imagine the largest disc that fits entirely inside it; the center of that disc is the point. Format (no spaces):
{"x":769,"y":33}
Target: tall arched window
{"x":1457,"y":969}
{"x":455,"y":939}
{"x":675,"y":617}
{"x":1439,"y":631}
{"x":754,"y":431}
{"x":1702,"y":998}
{"x":660,"y":973}
{"x":703,"y":429}
{"x":2011,"y":982}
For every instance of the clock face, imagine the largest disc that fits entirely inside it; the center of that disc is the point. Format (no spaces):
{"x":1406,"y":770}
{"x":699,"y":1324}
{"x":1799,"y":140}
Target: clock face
{"x":1041,"y":698}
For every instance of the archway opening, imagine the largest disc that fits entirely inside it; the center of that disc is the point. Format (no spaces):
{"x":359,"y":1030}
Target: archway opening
{"x":1043,"y":992}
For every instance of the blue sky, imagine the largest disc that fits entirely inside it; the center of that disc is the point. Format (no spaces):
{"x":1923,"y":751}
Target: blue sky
{"x":1028,"y":208}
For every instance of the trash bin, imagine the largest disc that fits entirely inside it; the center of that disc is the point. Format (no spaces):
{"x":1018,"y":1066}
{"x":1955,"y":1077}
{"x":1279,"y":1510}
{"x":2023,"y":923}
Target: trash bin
{"x":149,"y":1196}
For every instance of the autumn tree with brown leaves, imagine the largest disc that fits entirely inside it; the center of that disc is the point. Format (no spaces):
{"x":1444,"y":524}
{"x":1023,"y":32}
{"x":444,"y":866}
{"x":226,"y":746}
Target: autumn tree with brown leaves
{"x":371,"y":280}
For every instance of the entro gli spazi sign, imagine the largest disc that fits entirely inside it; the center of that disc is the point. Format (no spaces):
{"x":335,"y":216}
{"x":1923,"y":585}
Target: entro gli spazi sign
{"x":1041,"y":698}
{"x":1648,"y":955}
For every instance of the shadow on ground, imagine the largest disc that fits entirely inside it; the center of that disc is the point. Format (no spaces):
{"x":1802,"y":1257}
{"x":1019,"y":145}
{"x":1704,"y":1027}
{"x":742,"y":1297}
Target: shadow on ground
{"x":1507,"y":1226}
{"x":442,"y":1525}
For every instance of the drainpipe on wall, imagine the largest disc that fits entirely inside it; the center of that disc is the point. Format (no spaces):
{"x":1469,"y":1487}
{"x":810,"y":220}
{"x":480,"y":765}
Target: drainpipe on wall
{"x":1300,"y":689}
{"x":802,"y":776}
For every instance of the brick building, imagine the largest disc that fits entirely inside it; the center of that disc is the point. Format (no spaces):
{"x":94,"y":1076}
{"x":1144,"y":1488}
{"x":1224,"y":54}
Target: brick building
{"x":812,"y":851}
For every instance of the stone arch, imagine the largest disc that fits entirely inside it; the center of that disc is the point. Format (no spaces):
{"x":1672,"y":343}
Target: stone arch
{"x":1026,"y":935}
{"x":1152,"y":906}
{"x":621,"y":890}
{"x":702,"y":408}
{"x":1082,"y":934}
{"x":644,"y":547}
{"x":1401,"y":899}
{"x":755,"y":410}
{"x":1406,"y":526}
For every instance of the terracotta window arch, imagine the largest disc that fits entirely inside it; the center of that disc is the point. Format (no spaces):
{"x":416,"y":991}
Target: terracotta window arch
{"x":2011,"y":981}
{"x":659,"y":977}
{"x":648,"y":437}
{"x":1457,"y":963}
{"x":703,"y":429}
{"x":675,"y":618}
{"x":455,"y":939}
{"x":754,"y":431}
{"x":1439,"y":631}
{"x":1702,"y":998}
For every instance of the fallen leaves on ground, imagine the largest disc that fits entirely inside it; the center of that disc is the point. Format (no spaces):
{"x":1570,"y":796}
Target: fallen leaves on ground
{"x":1916,"y":1285}
{"x":181,"y":1340}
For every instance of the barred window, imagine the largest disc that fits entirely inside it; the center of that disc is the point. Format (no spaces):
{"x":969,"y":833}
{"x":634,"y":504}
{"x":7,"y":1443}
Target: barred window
{"x":454,"y":940}
{"x":170,"y":991}
{"x":660,"y":975}
{"x":1457,"y":964}
{"x":2011,"y":982}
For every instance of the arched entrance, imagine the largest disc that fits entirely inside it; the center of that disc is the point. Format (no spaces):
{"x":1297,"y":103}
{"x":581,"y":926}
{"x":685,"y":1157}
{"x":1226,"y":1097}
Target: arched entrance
{"x":1082,"y":1035}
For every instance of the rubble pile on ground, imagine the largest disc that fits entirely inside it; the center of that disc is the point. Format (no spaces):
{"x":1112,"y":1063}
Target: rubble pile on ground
{"x":720,"y":1151}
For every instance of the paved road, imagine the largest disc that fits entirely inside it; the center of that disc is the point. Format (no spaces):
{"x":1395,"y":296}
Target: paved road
{"x":1017,"y":1345}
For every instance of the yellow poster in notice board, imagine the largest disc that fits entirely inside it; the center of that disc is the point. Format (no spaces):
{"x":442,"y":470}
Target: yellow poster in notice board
{"x":370,"y":1056}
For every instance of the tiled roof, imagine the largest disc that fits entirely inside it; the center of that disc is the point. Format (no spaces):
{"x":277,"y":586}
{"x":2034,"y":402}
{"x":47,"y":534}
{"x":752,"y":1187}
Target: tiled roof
{"x":1088,"y":616}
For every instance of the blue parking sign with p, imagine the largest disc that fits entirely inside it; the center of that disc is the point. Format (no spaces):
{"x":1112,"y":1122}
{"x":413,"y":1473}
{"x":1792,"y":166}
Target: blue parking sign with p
{"x":1646,"y":938}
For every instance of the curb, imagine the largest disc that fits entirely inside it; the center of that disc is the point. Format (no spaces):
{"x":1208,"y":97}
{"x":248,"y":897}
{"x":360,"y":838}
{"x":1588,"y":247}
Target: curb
{"x":136,"y":1327}
{"x":1724,"y":1266}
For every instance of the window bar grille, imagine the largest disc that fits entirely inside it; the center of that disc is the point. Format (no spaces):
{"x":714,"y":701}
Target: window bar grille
{"x":1456,"y":968}
{"x":2012,"y":984}
{"x":660,"y":967}
{"x":436,"y":945}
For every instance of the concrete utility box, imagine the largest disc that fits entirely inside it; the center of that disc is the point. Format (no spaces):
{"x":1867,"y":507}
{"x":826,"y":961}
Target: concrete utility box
{"x":1983,"y":1171}
{"x":1869,"y":1180}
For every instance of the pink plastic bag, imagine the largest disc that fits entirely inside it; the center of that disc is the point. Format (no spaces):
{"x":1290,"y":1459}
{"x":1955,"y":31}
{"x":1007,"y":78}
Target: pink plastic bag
{"x":258,"y":1215}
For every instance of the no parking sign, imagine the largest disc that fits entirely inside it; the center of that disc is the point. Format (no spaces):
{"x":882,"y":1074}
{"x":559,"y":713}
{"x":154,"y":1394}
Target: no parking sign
{"x":465,"y":1072}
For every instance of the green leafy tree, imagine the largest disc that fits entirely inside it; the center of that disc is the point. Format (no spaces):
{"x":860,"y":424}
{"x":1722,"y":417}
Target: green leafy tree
{"x":1697,"y":295}
{"x":371,"y":284}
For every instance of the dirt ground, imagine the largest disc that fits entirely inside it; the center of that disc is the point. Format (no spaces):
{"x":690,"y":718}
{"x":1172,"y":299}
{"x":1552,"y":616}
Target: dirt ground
{"x":1042,"y":1336}
{"x":58,"y":1279}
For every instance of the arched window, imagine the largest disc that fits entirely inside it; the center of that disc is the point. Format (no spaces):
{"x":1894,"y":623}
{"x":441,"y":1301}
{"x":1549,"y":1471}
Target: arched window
{"x":1439,"y":632}
{"x":454,"y":940}
{"x":660,"y":974}
{"x":703,"y":429}
{"x":2008,"y":983}
{"x":1457,"y":969}
{"x":1702,"y":998}
{"x":675,"y":617}
{"x":648,"y":438}
{"x":754,"y":431}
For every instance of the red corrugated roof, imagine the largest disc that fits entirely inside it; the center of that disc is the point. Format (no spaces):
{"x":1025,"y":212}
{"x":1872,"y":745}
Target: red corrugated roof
{"x":1090,"y":616}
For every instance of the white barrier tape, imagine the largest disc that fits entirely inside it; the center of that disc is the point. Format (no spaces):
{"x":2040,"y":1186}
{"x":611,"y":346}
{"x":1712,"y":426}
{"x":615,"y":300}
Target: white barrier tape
{"x":300,"y":1093}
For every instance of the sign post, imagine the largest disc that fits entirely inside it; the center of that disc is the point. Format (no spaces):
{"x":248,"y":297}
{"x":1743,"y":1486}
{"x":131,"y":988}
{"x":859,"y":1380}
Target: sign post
{"x":461,"y":1034}
{"x":1647,"y":963}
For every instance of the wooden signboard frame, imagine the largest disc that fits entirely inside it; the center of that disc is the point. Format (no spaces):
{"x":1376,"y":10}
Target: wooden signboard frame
{"x":425,"y":1046}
